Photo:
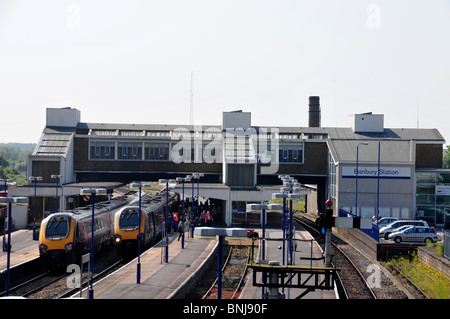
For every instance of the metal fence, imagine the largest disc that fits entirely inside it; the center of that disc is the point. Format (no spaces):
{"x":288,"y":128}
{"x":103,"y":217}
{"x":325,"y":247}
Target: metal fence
{"x":446,"y":238}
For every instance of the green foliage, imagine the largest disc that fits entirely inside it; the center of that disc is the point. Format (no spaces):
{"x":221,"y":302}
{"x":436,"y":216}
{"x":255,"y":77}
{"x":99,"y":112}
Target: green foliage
{"x":13,"y":161}
{"x":434,"y":283}
{"x":446,"y":158}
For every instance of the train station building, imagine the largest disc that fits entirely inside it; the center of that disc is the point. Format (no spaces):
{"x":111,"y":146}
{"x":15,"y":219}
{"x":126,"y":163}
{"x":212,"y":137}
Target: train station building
{"x":241,"y":161}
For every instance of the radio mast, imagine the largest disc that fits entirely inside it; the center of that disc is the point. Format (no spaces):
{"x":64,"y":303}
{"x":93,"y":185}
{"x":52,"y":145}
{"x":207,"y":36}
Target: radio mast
{"x":191,"y":121}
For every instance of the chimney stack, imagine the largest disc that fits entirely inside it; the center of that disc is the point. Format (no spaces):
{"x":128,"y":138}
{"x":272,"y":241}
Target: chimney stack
{"x":314,"y":111}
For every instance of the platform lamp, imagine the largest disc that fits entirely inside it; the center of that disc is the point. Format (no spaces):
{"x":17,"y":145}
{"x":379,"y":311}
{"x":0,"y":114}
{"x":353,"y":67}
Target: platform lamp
{"x":197,"y":176}
{"x":283,"y":221}
{"x":357,"y":173}
{"x":378,"y":179}
{"x":35,"y":179}
{"x":290,"y":198}
{"x":9,"y":201}
{"x":140,"y":235}
{"x":58,"y":179}
{"x":167,"y":181}
{"x":192,"y":205}
{"x":291,"y":185}
{"x":182,"y":180}
{"x":263,"y":208}
{"x":92,"y":192}
{"x":6,"y":182}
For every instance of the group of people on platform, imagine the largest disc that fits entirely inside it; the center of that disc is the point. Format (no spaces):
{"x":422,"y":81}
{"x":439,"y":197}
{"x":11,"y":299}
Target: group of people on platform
{"x":199,"y":214}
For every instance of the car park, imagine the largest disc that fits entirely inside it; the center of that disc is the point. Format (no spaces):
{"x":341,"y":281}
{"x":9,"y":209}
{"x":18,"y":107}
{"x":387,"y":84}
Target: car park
{"x":387,"y":230}
{"x":415,"y":234}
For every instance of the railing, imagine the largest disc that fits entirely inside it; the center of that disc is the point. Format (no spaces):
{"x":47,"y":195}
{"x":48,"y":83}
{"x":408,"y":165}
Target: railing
{"x":446,"y":239}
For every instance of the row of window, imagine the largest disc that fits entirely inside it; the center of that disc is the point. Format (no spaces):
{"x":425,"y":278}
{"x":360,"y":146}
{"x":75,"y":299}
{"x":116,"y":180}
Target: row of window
{"x":128,"y":151}
{"x":207,"y":135}
{"x":102,"y":150}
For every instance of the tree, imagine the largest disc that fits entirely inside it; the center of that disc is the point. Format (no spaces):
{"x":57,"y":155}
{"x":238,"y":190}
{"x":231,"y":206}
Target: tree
{"x":446,"y":158}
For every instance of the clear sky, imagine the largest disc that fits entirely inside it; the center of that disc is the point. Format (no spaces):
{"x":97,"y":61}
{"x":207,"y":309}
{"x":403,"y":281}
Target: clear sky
{"x":131,"y":61}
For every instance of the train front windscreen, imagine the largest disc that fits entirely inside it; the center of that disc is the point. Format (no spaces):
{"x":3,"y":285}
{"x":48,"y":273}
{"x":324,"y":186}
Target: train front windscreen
{"x":129,"y":219}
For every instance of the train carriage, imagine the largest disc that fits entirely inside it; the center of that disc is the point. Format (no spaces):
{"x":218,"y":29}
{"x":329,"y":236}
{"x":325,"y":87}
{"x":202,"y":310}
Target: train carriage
{"x":126,"y":223}
{"x":65,"y":236}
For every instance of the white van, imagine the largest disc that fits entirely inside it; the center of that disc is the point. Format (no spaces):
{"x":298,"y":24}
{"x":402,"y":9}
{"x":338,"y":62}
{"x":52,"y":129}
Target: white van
{"x":387,"y":230}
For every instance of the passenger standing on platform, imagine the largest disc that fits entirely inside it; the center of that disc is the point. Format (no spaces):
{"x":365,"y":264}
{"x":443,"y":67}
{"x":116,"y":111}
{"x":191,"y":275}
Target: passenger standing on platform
{"x":174,"y":221}
{"x":208,"y":218}
{"x":202,"y":218}
{"x":180,"y":229}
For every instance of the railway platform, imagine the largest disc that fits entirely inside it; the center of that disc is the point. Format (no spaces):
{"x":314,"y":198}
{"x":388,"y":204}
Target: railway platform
{"x":23,"y":248}
{"x":159,"y":280}
{"x":302,"y":255}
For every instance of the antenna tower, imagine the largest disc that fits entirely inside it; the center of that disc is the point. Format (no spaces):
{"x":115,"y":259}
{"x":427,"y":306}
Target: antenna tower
{"x":191,"y":121}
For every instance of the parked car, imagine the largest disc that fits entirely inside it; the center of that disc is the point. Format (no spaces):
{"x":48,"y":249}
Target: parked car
{"x":387,"y":230}
{"x":415,"y":234}
{"x":384,"y":221}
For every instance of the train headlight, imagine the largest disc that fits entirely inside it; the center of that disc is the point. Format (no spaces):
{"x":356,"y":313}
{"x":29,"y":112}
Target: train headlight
{"x":42,"y":248}
{"x":68,"y":246}
{"x":117,"y":239}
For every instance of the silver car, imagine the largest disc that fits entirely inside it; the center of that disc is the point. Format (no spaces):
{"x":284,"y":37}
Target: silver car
{"x":387,"y":230}
{"x":415,"y":234}
{"x":384,"y":221}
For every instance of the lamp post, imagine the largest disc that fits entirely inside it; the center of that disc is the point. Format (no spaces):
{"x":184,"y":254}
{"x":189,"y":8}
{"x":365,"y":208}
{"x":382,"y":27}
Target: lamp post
{"x":6,"y":181}
{"x":198,"y":176}
{"x":35,"y":179}
{"x":195,"y":176}
{"x":92,"y":192}
{"x":291,"y":185}
{"x":357,"y":172}
{"x":58,"y":179}
{"x":139,"y":236}
{"x":283,"y":225}
{"x":378,"y":179}
{"x":192,"y":206}
{"x":9,"y":201}
{"x":182,"y":180}
{"x":167,"y":181}
{"x":263,"y":208}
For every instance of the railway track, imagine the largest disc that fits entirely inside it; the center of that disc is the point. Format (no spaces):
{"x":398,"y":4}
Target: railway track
{"x":234,"y":272}
{"x":381,"y":285}
{"x":54,"y":284}
{"x":353,"y":285}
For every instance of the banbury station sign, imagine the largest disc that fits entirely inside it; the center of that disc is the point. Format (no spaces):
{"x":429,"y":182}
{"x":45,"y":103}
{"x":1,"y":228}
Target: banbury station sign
{"x":371,"y":172}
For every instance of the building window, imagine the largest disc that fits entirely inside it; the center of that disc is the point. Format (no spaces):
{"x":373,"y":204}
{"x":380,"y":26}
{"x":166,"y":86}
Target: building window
{"x":129,"y":151}
{"x":104,"y":132}
{"x":290,"y":154}
{"x":240,"y":216}
{"x":241,"y":175}
{"x":131,"y":133}
{"x":157,"y":151}
{"x":102,"y":150}
{"x":433,"y":197}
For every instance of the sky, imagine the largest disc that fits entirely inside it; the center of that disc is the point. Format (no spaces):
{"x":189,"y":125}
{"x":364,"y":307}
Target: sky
{"x":132,"y":61}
